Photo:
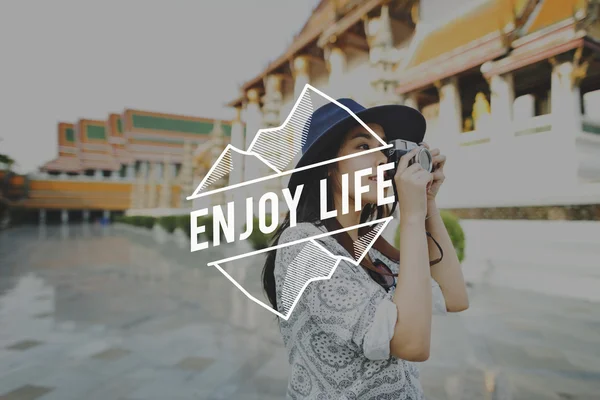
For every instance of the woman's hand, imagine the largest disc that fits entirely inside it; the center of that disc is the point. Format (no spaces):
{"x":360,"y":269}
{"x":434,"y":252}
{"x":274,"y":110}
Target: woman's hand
{"x":439,"y":160}
{"x":411,"y":183}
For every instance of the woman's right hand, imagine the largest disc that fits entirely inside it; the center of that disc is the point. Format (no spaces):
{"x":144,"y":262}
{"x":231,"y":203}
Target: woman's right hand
{"x":411,"y":183}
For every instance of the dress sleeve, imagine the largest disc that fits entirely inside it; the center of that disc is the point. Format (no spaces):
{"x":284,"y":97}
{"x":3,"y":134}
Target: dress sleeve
{"x":349,"y":306}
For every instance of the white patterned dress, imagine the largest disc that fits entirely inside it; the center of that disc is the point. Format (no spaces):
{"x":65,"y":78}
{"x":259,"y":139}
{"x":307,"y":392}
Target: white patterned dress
{"x":337,"y":336}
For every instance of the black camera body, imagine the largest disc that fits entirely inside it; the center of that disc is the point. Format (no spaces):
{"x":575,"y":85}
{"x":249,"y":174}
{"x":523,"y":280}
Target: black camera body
{"x":401,"y":147}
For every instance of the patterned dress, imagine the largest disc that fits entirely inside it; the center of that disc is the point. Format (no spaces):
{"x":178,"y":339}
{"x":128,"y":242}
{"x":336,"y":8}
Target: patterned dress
{"x":338,"y":334}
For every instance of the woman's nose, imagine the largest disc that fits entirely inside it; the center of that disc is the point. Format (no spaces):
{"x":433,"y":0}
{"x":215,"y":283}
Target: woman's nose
{"x":381,"y":158}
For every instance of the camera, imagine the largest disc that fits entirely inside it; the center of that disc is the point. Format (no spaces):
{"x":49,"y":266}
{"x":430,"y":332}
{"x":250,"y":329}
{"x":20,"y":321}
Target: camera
{"x":401,"y":147}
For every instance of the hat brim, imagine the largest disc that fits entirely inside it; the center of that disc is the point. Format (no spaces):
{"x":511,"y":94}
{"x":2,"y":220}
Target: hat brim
{"x":397,"y":121}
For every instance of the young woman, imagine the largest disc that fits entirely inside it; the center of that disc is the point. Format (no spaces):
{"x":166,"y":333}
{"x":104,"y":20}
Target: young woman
{"x":358,"y":334}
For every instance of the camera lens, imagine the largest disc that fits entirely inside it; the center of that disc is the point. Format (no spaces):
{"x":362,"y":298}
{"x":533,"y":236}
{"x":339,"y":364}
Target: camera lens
{"x":424,"y":158}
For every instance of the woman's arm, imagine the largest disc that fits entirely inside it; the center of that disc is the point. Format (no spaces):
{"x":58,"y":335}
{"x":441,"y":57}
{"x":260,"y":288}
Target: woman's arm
{"x":413,"y":296}
{"x":447,"y":273}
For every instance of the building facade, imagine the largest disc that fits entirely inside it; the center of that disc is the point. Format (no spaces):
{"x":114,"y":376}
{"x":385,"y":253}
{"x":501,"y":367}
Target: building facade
{"x":137,"y":162}
{"x":510,"y":88}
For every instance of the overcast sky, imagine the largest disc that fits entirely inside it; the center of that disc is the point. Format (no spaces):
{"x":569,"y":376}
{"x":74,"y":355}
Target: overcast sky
{"x":65,"y":60}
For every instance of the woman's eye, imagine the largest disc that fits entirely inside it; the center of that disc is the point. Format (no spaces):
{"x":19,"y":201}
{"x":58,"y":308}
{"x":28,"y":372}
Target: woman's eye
{"x":364,"y":146}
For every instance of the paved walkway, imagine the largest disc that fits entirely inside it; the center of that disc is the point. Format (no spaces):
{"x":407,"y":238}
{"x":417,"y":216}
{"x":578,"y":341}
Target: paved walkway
{"x":103,"y":313}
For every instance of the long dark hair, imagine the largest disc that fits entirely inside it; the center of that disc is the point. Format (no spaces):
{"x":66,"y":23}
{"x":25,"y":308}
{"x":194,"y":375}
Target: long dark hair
{"x":308,"y":211}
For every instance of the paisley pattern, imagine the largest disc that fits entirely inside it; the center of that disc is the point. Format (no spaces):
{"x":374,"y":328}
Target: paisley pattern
{"x":327,"y":331}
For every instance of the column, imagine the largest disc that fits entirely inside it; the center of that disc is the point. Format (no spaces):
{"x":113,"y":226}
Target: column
{"x":106,"y":215}
{"x":216,"y":137}
{"x":336,"y":62}
{"x":503,"y":96}
{"x":151,"y":195}
{"x":98,"y":174}
{"x":411,"y":100}
{"x":450,"y":108}
{"x":301,"y":72}
{"x":186,"y":175}
{"x":237,"y":173}
{"x":566,"y":119}
{"x":253,"y":118}
{"x":130,"y":171}
{"x":142,"y":180}
{"x":86,"y":215}
{"x":42,"y":216}
{"x":237,"y":141}
{"x":383,"y":57}
{"x":279,"y":157}
{"x":165,"y":194}
{"x":64,"y":216}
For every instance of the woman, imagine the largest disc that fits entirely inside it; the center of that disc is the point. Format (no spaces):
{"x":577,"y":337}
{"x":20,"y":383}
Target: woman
{"x":358,"y":334}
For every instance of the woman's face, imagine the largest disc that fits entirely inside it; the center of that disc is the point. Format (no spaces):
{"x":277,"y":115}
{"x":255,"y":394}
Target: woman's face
{"x":357,"y":140}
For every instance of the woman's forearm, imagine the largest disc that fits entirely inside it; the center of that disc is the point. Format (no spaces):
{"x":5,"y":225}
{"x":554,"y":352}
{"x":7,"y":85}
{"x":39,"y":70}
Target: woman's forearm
{"x":413,"y":296}
{"x":447,"y":273}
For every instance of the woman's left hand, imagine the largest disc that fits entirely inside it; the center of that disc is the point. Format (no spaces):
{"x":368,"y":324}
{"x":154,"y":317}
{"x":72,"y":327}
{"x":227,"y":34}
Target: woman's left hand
{"x":439,"y":160}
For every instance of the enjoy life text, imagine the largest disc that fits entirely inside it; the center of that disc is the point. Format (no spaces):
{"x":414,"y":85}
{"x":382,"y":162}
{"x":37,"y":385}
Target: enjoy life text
{"x":226,"y":223}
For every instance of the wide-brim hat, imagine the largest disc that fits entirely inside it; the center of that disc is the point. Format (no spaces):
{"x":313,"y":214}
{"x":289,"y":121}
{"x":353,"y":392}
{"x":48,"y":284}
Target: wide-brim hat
{"x":330,"y":122}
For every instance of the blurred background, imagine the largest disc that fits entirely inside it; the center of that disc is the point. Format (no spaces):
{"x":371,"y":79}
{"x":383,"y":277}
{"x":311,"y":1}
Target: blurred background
{"x":114,"y":112}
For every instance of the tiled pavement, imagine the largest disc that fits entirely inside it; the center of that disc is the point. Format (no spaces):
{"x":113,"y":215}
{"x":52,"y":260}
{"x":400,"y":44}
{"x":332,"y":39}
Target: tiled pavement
{"x":103,"y":313}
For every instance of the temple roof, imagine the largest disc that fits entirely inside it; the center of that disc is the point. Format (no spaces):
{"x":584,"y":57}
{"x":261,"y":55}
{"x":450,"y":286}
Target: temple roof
{"x":554,"y":27}
{"x":460,"y":42}
{"x":551,"y":12}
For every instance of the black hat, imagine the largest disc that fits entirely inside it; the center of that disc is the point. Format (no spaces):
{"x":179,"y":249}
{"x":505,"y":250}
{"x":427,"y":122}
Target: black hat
{"x":330,"y":121}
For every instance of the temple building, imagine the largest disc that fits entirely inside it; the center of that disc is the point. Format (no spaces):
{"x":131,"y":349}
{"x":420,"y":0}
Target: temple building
{"x":137,"y":162}
{"x":510,"y":88}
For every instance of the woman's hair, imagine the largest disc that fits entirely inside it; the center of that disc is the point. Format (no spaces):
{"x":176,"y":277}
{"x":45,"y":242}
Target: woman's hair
{"x":308,"y":210}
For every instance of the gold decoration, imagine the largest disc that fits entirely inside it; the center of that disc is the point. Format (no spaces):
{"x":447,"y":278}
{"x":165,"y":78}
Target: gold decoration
{"x":252,"y":95}
{"x":414,"y":12}
{"x":481,"y":107}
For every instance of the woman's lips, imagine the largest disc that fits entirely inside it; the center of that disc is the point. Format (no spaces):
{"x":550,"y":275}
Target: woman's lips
{"x":373,"y":178}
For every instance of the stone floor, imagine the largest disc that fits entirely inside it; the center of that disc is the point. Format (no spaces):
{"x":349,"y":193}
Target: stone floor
{"x":92,"y":312}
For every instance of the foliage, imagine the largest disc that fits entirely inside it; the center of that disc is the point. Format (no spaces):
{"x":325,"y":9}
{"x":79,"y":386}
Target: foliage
{"x":455,"y":231}
{"x":138,"y":220}
{"x":258,"y":239}
{"x":183,"y":223}
{"x":168,"y":223}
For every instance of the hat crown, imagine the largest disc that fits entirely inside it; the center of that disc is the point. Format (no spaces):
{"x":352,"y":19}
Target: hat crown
{"x":327,"y":116}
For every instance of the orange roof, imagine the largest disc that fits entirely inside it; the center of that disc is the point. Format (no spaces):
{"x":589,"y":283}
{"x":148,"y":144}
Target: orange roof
{"x":322,"y":16}
{"x":552,"y":12}
{"x":487,"y":19}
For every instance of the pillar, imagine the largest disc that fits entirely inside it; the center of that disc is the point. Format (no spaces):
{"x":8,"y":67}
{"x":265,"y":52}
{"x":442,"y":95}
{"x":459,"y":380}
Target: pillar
{"x":130,"y":175}
{"x":450,"y":109}
{"x":186,"y":175}
{"x":336,"y":62}
{"x":411,"y":100}
{"x":42,"y":216}
{"x":64,"y":216}
{"x":98,"y":174}
{"x":566,"y":117}
{"x":237,"y":173}
{"x":502,"y":100}
{"x":281,"y":146}
{"x":253,"y":118}
{"x":301,"y":74}
{"x":167,"y":176}
{"x":106,"y":214}
{"x":237,"y":141}
{"x":86,"y":215}
{"x":151,"y":200}
{"x":383,"y":58}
